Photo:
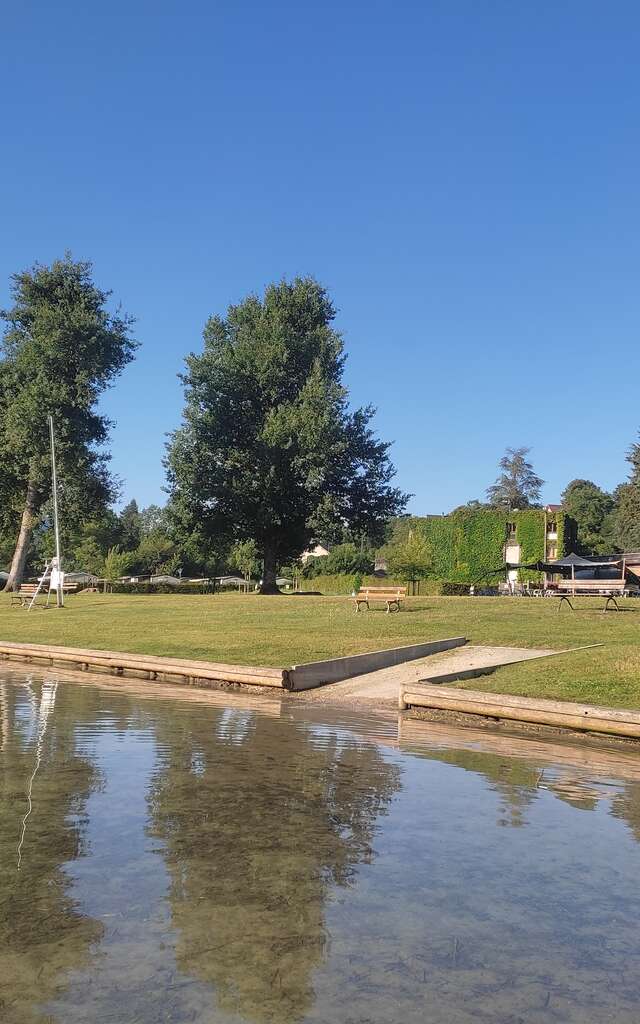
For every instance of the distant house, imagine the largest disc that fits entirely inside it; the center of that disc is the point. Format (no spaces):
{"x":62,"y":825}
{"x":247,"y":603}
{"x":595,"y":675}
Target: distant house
{"x":546,"y":537}
{"x":317,"y":550}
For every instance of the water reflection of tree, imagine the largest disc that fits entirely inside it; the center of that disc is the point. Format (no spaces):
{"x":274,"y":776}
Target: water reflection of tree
{"x":258,"y":824}
{"x":626,"y":805}
{"x":518,"y":782}
{"x":42,"y":932}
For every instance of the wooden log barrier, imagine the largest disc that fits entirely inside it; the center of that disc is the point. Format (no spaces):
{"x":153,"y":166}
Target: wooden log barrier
{"x":560,"y":714}
{"x":146,"y":665}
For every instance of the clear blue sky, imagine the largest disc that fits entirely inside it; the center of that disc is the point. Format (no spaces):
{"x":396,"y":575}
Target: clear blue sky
{"x":462,"y":176}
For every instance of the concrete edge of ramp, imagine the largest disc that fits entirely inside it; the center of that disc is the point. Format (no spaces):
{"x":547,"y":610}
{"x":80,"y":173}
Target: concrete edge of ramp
{"x":489,"y":668}
{"x":335,"y":670}
{"x":559,"y":714}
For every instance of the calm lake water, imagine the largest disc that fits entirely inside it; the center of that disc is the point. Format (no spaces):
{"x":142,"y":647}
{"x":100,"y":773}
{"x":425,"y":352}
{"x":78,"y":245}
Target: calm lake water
{"x":212,"y":858}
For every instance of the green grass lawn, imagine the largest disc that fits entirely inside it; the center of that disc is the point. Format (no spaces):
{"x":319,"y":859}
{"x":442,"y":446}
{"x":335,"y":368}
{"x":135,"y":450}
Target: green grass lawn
{"x":287,"y":630}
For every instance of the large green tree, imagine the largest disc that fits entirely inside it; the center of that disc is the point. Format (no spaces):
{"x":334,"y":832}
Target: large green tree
{"x":627,"y":514}
{"x":411,"y":559}
{"x":591,"y":508}
{"x":268,"y":446}
{"x":130,"y":526}
{"x":61,"y":349}
{"x":517,"y":486}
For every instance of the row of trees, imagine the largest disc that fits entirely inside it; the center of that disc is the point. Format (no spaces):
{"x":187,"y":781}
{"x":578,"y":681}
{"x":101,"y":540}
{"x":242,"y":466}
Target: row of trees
{"x":269,"y":452}
{"x":607,"y":522}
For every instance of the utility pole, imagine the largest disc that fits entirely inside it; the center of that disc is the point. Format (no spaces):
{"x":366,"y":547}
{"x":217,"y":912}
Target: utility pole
{"x":56,"y":527}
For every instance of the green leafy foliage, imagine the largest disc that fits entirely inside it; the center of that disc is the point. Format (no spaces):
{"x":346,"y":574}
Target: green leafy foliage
{"x":116,"y":564}
{"x":411,"y":559}
{"x":155,"y":551}
{"x":130,"y":526}
{"x":244,"y":557}
{"x":61,"y":349}
{"x":343,"y":559}
{"x":160,"y":588}
{"x":518,"y":486}
{"x":626,"y":520}
{"x":468,"y":545}
{"x":530,"y":537}
{"x":590,"y":507}
{"x":268,"y":445}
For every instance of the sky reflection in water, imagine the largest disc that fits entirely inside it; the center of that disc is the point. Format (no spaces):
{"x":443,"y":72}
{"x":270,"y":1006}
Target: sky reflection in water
{"x":220,"y":859}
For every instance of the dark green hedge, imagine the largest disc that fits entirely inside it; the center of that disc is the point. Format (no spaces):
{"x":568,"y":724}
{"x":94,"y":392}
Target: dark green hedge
{"x":159,"y":588}
{"x":449,"y":589}
{"x":421,"y":588}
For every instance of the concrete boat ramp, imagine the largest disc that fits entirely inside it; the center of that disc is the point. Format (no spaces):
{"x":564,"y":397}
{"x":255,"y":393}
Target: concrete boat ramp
{"x":409,"y":678}
{"x":382,"y":687}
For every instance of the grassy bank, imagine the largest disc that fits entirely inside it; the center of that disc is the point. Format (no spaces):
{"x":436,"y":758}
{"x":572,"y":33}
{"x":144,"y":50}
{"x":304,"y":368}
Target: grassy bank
{"x":282,"y":631}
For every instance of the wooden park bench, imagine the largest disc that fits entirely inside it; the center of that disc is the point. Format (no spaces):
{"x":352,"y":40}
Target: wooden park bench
{"x":26,"y":593}
{"x":390,"y":596}
{"x":609,"y":589}
{"x":24,"y":596}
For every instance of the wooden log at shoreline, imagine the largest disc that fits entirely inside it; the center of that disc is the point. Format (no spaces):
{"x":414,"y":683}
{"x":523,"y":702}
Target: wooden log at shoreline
{"x":560,"y":714}
{"x":147,"y":666}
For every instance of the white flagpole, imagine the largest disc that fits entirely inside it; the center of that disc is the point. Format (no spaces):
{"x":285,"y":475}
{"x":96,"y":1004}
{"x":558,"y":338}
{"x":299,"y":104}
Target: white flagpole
{"x":54,"y":480}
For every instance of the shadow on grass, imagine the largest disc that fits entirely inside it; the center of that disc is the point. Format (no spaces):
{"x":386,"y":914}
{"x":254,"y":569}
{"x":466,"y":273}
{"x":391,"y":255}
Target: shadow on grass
{"x":601,"y":611}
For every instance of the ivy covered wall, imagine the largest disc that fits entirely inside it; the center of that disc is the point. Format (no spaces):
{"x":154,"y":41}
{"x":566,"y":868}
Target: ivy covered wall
{"x":469,"y":543}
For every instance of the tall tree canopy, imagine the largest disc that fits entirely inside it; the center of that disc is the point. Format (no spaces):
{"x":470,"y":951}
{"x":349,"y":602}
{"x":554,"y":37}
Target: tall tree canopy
{"x":517,"y":486}
{"x":130,"y":526}
{"x":60,"y":350}
{"x":269,"y":449}
{"x":627,"y":515}
{"x":591,"y":508}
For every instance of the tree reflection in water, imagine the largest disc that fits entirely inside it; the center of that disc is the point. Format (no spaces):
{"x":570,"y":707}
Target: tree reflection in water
{"x":260,"y":818}
{"x":42,"y":932}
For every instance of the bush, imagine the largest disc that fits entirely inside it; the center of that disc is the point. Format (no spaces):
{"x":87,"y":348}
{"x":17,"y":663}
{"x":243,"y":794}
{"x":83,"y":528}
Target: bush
{"x":410,"y":560}
{"x":326,"y":584}
{"x":117,"y":563}
{"x":347,"y":582}
{"x":160,"y":588}
{"x":344,"y":560}
{"x":450,"y":589}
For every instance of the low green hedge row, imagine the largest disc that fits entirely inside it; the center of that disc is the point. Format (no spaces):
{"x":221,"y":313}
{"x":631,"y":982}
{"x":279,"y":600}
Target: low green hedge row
{"x":451,"y":589}
{"x":348,"y":583}
{"x":159,"y":588}
{"x":323,"y":584}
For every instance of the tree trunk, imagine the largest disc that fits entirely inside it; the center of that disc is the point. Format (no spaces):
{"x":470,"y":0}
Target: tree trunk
{"x":268,"y":585}
{"x":22,"y":545}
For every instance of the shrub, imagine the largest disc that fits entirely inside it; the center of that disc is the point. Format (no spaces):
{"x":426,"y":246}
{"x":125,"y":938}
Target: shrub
{"x":337,"y":584}
{"x":160,"y":588}
{"x":344,"y":560}
{"x":450,"y":589}
{"x":347,"y":582}
{"x":116,"y":563}
{"x":410,"y":559}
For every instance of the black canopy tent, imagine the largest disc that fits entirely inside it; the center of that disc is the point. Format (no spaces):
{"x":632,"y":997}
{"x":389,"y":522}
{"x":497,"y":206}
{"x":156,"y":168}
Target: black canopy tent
{"x":576,"y":567}
{"x":566,"y":566}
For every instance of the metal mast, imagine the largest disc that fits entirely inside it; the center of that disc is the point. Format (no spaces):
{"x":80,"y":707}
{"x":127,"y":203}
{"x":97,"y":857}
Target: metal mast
{"x":56,"y":527}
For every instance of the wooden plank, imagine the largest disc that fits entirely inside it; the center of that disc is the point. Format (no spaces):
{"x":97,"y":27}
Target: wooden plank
{"x":562,"y":714}
{"x":122,"y":662}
